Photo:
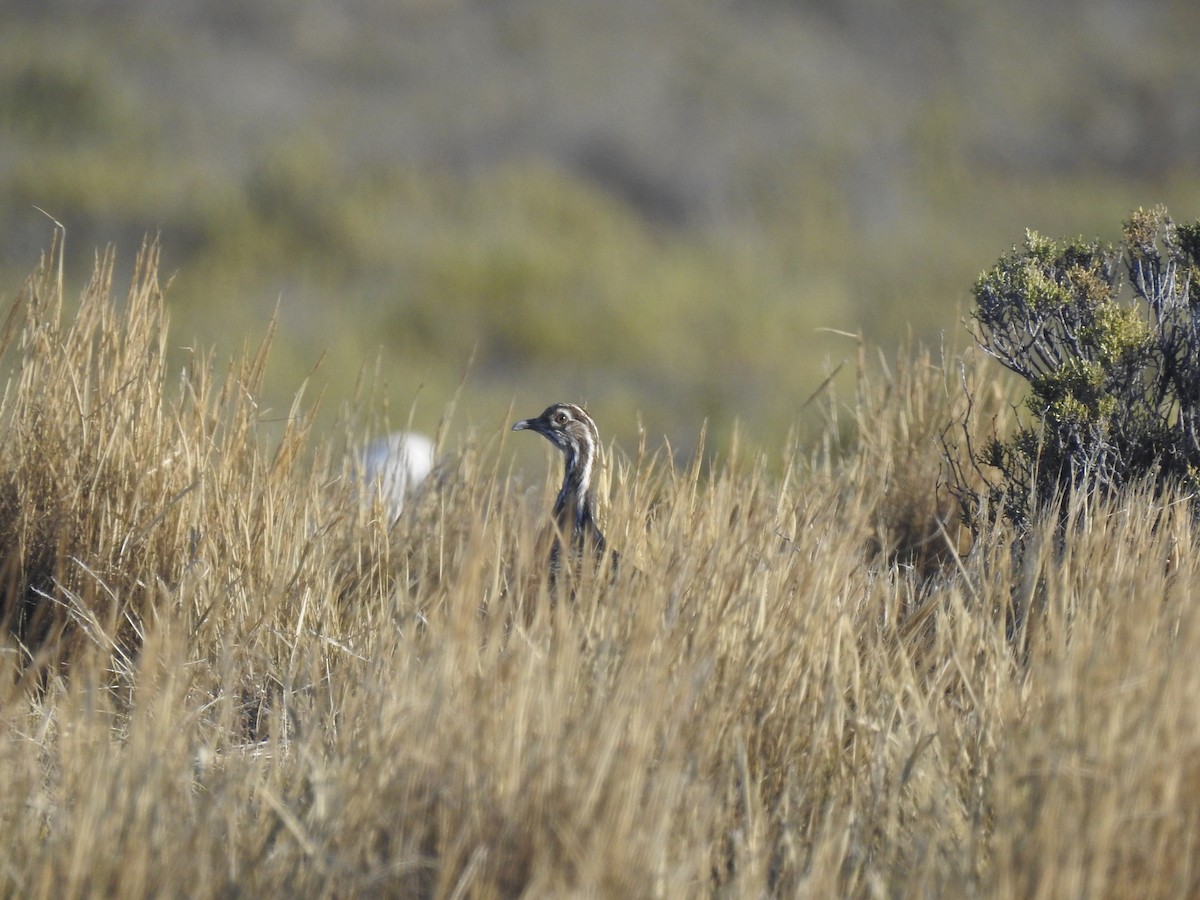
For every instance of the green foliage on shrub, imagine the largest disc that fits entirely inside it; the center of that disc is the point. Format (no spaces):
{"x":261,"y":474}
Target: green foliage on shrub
{"x":1108,"y":339}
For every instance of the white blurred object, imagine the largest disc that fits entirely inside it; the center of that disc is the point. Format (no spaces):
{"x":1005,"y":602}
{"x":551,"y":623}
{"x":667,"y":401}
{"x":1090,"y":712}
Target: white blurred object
{"x":395,"y":465}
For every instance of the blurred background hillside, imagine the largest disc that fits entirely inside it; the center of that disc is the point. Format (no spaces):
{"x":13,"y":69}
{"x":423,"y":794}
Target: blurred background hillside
{"x":665,"y":209}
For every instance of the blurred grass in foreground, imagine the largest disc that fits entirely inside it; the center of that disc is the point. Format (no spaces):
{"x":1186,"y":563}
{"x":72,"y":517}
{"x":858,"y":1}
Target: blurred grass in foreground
{"x":242,"y":680}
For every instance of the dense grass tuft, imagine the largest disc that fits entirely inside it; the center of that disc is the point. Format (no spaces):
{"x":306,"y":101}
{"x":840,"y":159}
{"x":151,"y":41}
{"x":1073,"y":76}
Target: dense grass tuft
{"x":225,"y":673}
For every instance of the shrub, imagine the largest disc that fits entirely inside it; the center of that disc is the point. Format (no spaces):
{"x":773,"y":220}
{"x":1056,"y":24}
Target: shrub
{"x":1108,"y":339}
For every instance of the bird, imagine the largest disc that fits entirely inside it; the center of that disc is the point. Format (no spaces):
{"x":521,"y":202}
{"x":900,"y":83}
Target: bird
{"x":569,"y":428}
{"x":394,"y":465}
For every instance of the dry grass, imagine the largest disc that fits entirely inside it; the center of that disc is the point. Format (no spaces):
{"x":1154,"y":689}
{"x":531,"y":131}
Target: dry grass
{"x":227,"y":676}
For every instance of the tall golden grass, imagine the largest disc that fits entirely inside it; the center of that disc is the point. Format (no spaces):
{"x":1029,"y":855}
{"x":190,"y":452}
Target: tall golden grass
{"x":227,"y":674}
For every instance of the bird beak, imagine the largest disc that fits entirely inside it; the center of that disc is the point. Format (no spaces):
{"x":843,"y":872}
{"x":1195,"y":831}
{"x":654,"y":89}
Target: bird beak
{"x":523,"y":425}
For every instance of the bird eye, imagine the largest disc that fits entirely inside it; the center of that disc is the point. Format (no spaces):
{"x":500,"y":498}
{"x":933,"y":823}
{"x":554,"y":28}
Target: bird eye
{"x":560,"y":419}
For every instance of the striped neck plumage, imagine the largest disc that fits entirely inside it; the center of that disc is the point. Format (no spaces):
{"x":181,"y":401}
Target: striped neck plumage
{"x":573,"y":507}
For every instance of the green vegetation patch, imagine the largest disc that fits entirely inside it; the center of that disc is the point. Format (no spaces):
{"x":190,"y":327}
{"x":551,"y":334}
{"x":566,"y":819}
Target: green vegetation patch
{"x":1105,"y":338}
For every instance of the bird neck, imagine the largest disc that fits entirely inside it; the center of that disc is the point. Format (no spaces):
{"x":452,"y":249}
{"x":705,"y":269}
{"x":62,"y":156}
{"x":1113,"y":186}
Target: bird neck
{"x":573,"y":508}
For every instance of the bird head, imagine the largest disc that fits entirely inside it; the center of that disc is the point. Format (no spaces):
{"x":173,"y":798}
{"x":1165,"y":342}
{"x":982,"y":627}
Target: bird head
{"x":567,"y":427}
